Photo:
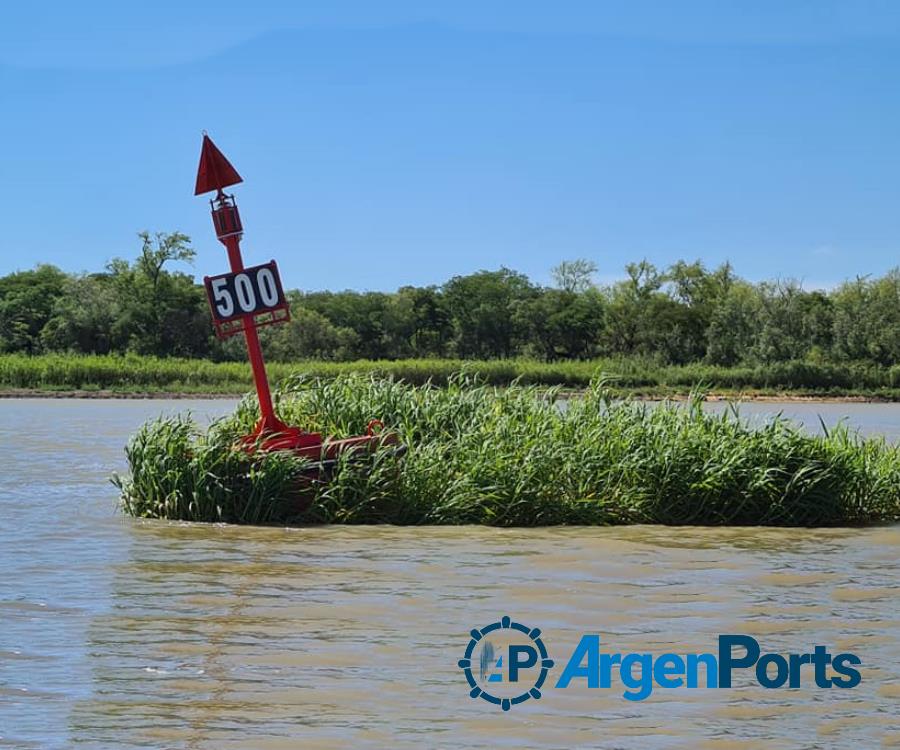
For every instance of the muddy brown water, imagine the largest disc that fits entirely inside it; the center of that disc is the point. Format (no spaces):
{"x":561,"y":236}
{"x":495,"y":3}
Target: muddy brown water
{"x":116,"y":633}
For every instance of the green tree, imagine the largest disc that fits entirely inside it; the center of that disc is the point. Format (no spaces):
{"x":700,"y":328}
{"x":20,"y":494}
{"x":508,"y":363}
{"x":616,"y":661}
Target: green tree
{"x":84,"y":317}
{"x":866,"y":321}
{"x":628,"y":314}
{"x":565,"y":325}
{"x":431,"y":328}
{"x":575,"y":276}
{"x":697,"y":293}
{"x":27,"y":300}
{"x":734,"y":325}
{"x":308,"y":335}
{"x":162,"y":313}
{"x":361,"y":312}
{"x":790,"y":322}
{"x":488,"y":310}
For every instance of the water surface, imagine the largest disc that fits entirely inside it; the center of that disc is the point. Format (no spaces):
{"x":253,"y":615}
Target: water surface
{"x":116,"y":633}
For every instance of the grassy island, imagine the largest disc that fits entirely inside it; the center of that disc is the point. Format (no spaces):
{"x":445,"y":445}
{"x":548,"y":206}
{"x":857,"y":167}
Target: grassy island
{"x":514,"y":456}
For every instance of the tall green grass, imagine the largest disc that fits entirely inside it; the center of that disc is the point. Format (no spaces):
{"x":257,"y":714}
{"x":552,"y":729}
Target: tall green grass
{"x":135,"y":373}
{"x":515,"y":457}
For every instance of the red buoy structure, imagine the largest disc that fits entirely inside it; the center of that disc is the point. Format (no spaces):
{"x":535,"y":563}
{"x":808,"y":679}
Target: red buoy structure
{"x":249,"y":297}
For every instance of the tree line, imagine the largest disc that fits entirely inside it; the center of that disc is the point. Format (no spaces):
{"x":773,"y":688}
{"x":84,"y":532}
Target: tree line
{"x":678,"y":315}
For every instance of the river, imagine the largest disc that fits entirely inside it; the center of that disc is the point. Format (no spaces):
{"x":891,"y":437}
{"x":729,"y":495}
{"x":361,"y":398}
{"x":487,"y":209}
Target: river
{"x":117,"y":633}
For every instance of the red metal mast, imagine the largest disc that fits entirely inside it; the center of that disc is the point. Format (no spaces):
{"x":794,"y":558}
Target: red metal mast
{"x":214,"y":173}
{"x":250,"y":297}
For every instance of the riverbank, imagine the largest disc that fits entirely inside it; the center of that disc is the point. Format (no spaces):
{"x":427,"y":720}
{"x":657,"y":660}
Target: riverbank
{"x":685,"y":395}
{"x":73,"y":376}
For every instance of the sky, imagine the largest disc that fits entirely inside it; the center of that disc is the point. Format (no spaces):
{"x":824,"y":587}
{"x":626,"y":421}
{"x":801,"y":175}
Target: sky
{"x":393,"y":143}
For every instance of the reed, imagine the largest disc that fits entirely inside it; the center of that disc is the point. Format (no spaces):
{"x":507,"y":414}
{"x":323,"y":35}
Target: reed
{"x":515,"y":456}
{"x":132,"y":373}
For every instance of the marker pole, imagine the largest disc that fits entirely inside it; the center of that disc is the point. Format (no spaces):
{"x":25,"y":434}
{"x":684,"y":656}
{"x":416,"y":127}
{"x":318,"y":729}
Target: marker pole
{"x":229,"y":230}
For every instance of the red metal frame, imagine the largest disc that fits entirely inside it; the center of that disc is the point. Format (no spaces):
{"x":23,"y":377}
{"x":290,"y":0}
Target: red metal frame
{"x":227,"y":328}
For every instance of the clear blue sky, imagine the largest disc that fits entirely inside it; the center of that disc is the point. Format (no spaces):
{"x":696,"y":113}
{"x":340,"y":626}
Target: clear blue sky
{"x":396,"y":143}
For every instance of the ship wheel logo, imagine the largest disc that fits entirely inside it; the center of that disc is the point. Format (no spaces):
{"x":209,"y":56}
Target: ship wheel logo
{"x":511,"y":664}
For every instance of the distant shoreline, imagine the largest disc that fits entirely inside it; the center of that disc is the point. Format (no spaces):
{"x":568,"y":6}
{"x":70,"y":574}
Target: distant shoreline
{"x":114,"y":395}
{"x":24,"y":393}
{"x":139,"y":377}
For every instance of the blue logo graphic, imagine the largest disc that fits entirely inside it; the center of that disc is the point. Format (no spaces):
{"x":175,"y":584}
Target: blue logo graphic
{"x":516,"y":678}
{"x":512,"y":666}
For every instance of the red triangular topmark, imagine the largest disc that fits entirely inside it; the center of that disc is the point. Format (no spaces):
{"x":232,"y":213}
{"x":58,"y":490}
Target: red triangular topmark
{"x":215,"y":171}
